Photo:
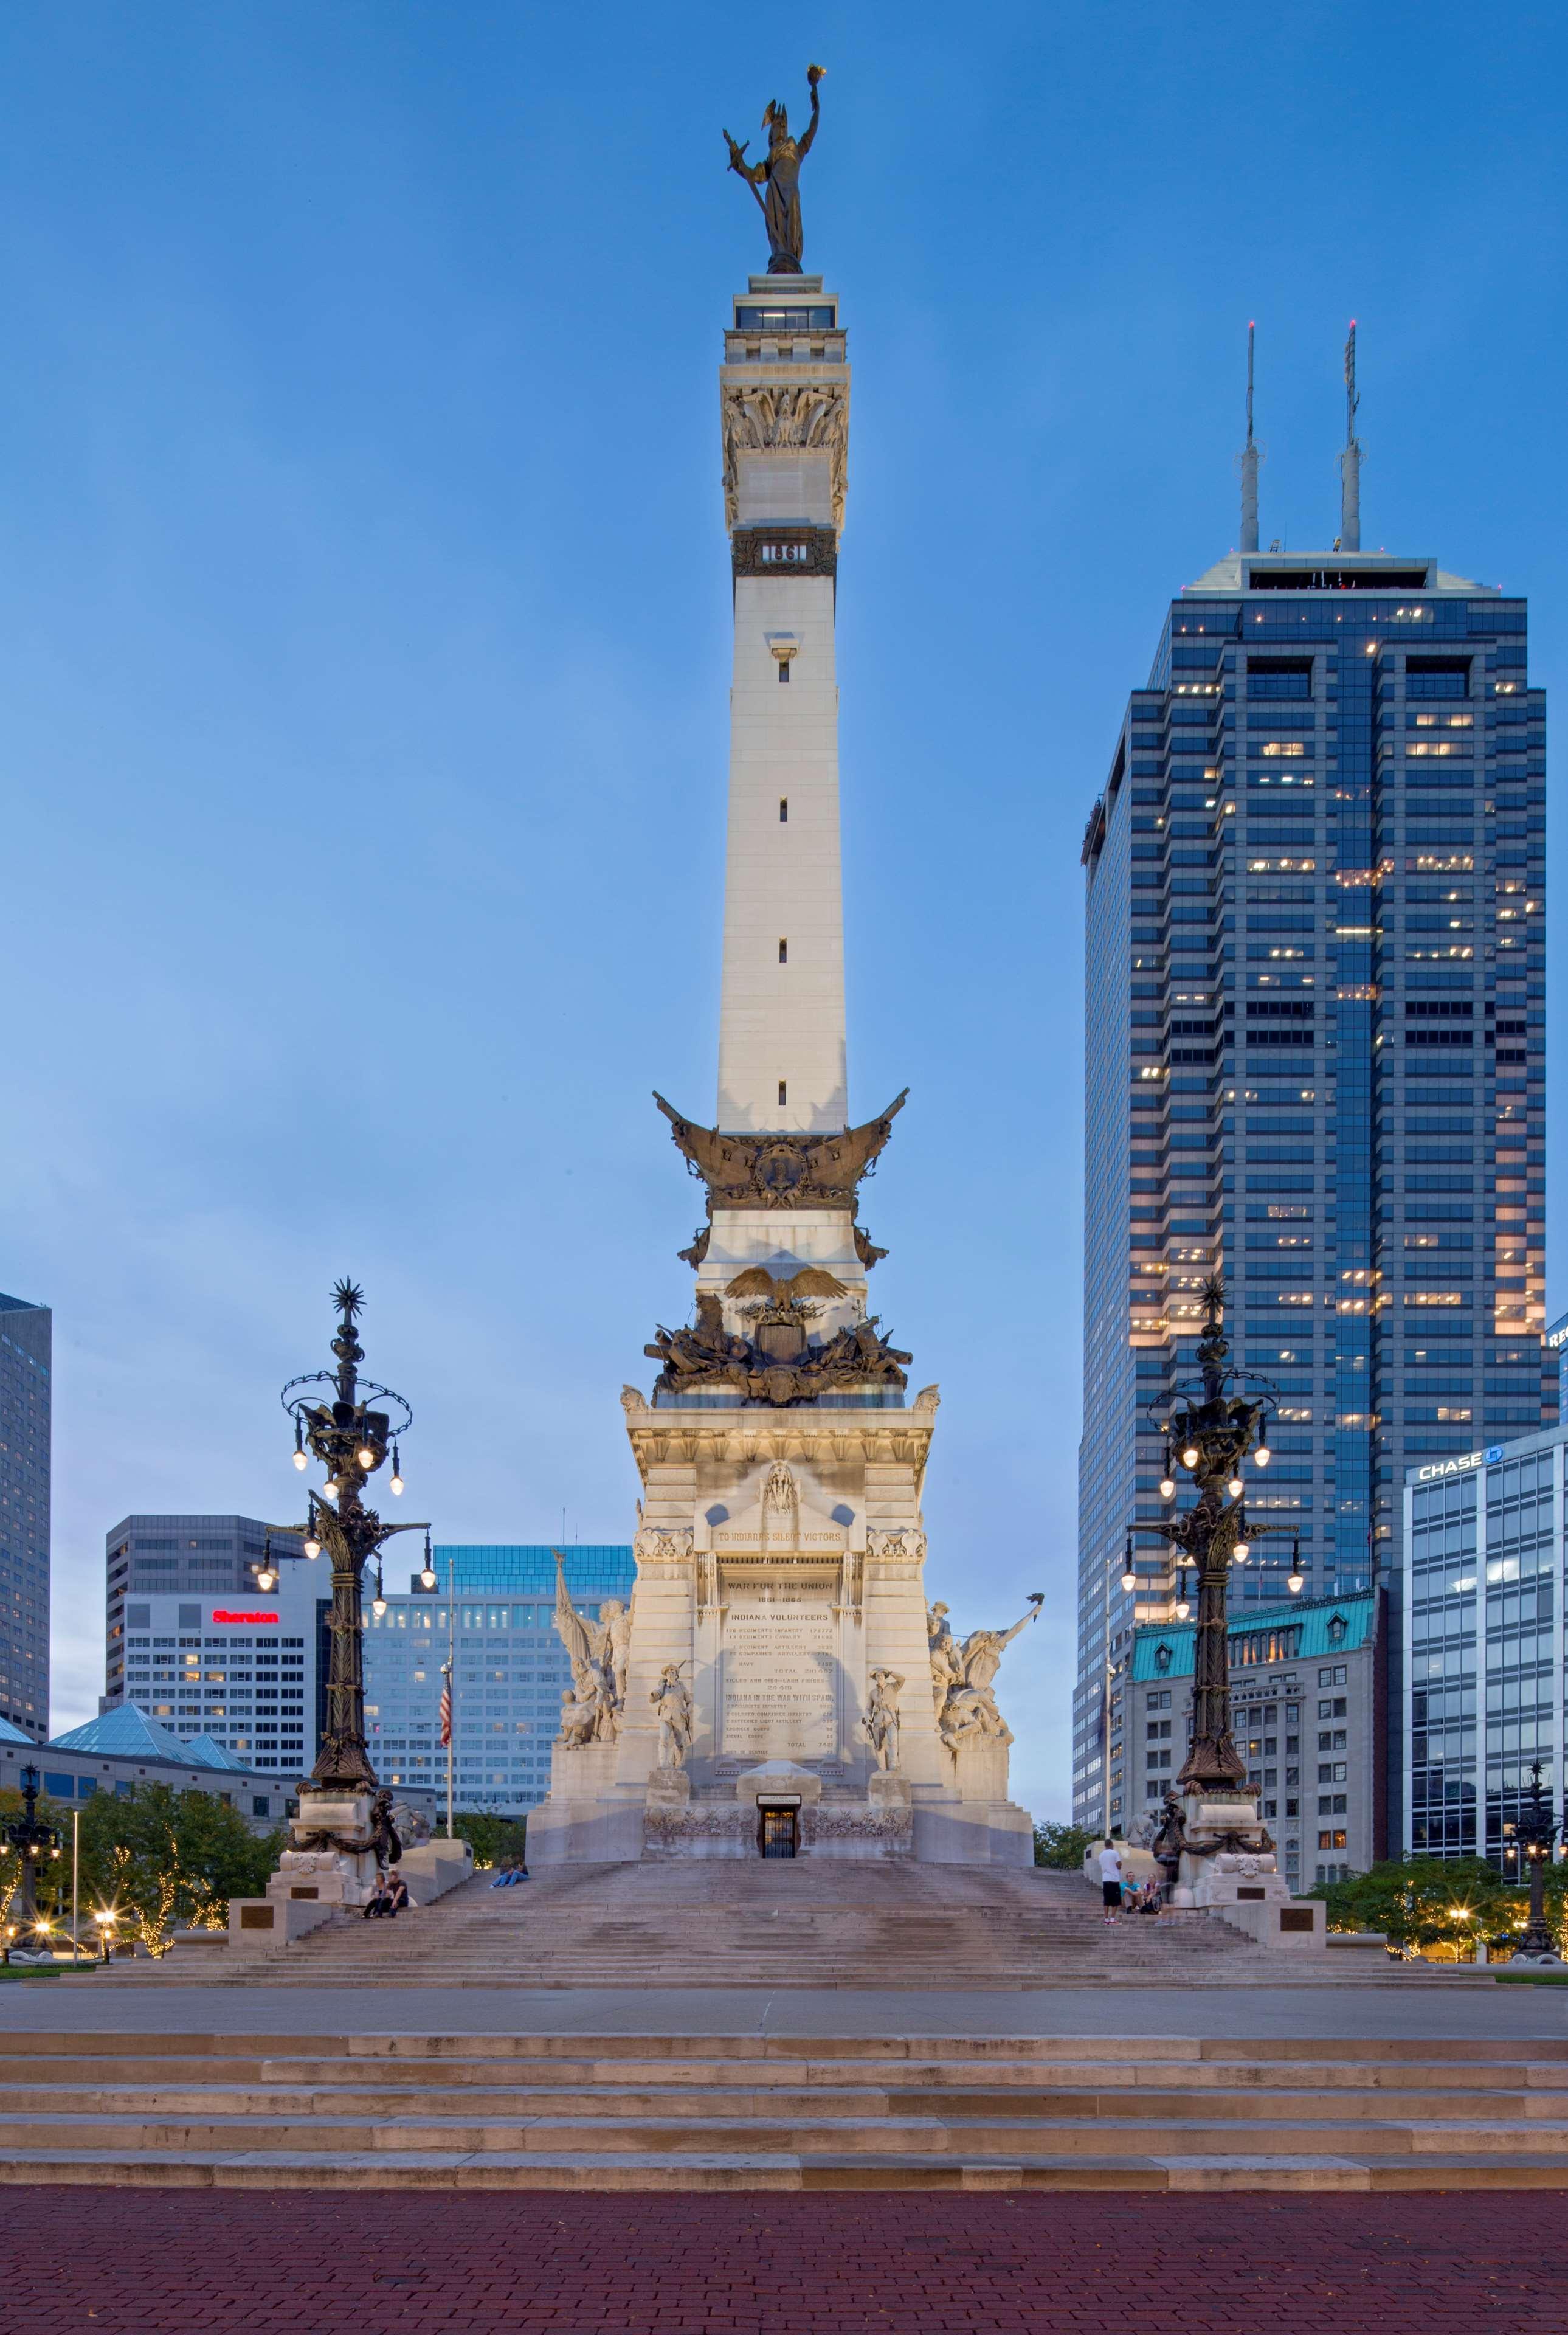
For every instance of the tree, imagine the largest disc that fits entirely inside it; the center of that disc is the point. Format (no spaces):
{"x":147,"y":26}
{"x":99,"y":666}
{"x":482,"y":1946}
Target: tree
{"x":159,"y":1857}
{"x":1422,"y":1901}
{"x":491,"y":1837}
{"x":1062,"y":1847}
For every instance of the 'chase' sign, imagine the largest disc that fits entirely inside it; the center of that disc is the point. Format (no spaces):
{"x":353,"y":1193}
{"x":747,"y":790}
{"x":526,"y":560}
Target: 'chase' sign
{"x":1460,"y":1465}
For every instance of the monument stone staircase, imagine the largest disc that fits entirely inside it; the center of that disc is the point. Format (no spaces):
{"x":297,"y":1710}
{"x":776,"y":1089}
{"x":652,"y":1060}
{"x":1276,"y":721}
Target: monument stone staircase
{"x":738,"y":2113}
{"x":802,"y":1924}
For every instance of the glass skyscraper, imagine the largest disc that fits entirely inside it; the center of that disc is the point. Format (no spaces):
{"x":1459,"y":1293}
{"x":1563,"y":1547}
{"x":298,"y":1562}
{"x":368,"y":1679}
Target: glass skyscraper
{"x":26,"y":1350}
{"x":509,"y":1671}
{"x":1316,"y":987}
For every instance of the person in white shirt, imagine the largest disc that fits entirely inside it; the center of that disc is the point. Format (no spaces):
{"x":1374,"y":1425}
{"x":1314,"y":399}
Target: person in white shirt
{"x":1110,"y":1879}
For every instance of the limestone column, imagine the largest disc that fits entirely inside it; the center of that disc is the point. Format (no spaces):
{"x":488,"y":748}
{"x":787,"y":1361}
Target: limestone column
{"x":784,"y":400}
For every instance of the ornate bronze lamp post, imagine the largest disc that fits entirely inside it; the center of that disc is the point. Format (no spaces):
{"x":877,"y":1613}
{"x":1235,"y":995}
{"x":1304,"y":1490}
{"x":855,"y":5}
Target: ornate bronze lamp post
{"x":1535,"y":1831}
{"x":1212,"y":1839}
{"x":38,"y":1847}
{"x":352,"y":1441}
{"x":1210,"y":1437}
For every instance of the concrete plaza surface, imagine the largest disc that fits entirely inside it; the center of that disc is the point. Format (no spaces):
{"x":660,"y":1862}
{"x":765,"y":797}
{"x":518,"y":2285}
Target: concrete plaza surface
{"x":1429,"y":2008}
{"x":151,"y":2262}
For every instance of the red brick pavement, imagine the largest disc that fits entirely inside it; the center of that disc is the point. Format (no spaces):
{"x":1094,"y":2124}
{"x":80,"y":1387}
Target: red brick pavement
{"x":367,"y":2262}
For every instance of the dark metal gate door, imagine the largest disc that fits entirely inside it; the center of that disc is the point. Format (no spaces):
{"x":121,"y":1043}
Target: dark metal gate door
{"x":778,"y":1832}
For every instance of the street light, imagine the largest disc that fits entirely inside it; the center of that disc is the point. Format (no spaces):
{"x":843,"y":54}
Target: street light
{"x":36,"y":1844}
{"x":1535,"y":1830}
{"x":350,"y":1439}
{"x":1214,"y":1430}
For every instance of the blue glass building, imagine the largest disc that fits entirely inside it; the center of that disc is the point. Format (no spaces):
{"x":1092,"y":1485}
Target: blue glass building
{"x":1485,"y":1562}
{"x":25,"y":1357}
{"x":1316,"y":993}
{"x":495,"y":1605}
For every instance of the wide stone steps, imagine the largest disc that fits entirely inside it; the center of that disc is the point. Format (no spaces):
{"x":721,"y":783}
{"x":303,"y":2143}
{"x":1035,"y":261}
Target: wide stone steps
{"x":548,"y":2112}
{"x":769,"y":1926}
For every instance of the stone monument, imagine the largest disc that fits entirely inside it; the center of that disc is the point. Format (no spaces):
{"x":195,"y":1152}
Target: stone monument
{"x":771,"y":1678}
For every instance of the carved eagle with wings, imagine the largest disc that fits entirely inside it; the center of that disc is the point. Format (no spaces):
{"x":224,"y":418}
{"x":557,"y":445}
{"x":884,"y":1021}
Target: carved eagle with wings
{"x":810,"y":1281}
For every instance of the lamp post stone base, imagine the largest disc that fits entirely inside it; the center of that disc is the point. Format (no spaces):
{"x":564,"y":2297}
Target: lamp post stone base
{"x":1227,"y":1857}
{"x":333,"y":1861}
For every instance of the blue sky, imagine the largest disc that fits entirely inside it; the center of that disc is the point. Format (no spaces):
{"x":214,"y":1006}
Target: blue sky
{"x":364,"y":607}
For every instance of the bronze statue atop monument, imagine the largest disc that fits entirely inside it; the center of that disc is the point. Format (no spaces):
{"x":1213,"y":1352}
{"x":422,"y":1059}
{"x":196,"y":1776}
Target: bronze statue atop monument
{"x":780,"y":174}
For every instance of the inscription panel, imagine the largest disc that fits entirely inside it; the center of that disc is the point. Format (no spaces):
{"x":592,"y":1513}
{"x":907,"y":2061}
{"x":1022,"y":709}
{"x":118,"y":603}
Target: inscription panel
{"x":779,"y":1697}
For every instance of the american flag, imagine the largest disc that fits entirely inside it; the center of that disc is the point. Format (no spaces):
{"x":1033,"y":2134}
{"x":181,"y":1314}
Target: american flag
{"x":446,"y":1712}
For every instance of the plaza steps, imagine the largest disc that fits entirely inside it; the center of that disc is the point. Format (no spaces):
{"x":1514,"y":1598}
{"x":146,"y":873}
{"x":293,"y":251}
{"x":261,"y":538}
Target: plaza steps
{"x":742,"y":2113}
{"x":790,"y":1923}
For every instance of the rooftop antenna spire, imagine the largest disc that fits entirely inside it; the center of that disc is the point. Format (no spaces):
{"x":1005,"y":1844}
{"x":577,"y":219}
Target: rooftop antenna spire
{"x":1351,"y":460}
{"x":1249,"y":458}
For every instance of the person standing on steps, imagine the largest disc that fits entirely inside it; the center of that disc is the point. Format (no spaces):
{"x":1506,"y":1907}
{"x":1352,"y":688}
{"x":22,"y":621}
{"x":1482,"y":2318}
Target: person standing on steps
{"x":1111,"y":1879}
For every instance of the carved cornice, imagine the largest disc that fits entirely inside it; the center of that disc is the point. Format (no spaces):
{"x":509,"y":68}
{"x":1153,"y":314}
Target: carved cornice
{"x":792,"y":548}
{"x":764,"y":417}
{"x":742,"y":1437}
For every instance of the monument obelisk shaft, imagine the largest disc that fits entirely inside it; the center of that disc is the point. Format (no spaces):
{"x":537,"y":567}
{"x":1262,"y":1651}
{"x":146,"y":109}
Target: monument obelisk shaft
{"x":784,"y":392}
